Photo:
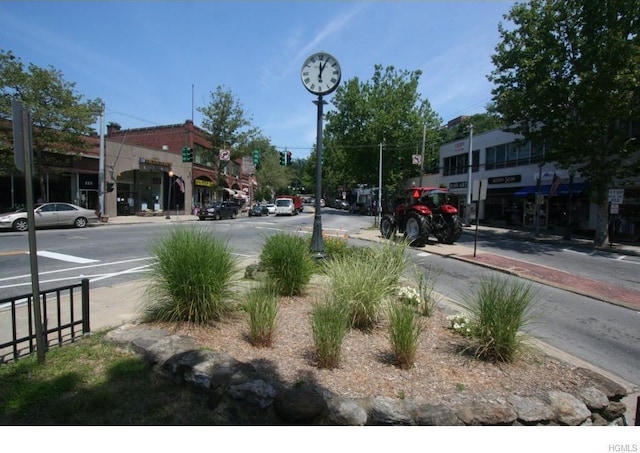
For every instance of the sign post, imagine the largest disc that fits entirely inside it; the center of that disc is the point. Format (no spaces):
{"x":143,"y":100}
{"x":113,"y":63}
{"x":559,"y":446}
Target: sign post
{"x":479,"y":193}
{"x":22,"y":145}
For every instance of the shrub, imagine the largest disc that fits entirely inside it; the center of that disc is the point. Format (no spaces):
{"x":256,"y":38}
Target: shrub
{"x":404,"y":334}
{"x":334,"y":246}
{"x":408,"y":295}
{"x":330,"y":324}
{"x":262,"y":307}
{"x":192,"y":278}
{"x":364,"y":281}
{"x":288,"y":262}
{"x":499,"y":310}
{"x":460,"y":324}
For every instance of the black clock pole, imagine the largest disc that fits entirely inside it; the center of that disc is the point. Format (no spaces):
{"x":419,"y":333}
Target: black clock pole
{"x":317,"y":244}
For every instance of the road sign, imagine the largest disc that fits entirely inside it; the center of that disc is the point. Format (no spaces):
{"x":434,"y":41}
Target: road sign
{"x":479,"y":190}
{"x":615,"y":209}
{"x":416,"y":159}
{"x":225,"y":154}
{"x":616,"y":196}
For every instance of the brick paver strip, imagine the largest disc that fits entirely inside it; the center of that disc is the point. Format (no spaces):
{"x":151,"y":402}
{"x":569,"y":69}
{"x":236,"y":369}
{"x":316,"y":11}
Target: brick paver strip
{"x":592,"y":288}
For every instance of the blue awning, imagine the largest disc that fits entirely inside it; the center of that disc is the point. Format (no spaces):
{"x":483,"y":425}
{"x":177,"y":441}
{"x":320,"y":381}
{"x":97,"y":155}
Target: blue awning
{"x":563,"y":189}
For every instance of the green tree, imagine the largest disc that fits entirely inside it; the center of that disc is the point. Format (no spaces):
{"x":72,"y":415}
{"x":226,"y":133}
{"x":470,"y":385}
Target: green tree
{"x":388,"y":109}
{"x":61,"y":118}
{"x":271,"y":176}
{"x":225,"y":119}
{"x":568,"y":74}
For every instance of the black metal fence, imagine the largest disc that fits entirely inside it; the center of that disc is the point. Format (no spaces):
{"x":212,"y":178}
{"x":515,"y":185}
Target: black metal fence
{"x":65,"y":318}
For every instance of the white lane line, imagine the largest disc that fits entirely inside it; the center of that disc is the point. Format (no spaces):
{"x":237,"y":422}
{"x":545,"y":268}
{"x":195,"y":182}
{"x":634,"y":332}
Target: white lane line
{"x":424,"y":254}
{"x":92,"y":278}
{"x":67,"y":258}
{"x":16,"y":277}
{"x":617,"y":258}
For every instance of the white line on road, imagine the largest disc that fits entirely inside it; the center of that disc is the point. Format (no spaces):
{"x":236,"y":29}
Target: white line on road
{"x":81,"y":276}
{"x":75,"y":268}
{"x":617,"y":258}
{"x":67,"y":258}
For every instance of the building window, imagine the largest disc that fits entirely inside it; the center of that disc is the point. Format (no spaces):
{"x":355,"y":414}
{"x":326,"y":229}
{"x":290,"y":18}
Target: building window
{"x":458,"y":164}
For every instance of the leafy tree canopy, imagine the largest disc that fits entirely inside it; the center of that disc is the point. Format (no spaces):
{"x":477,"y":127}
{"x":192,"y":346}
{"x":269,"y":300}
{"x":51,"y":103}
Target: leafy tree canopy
{"x":225,"y":120}
{"x":61,"y":117}
{"x":568,"y":74}
{"x":386,"y":109}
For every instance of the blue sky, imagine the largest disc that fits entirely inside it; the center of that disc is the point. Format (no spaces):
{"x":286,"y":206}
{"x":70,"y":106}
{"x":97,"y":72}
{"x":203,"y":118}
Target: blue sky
{"x":155,"y":63}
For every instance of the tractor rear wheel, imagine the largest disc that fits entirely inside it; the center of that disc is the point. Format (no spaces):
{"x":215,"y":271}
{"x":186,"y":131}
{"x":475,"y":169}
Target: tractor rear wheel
{"x":416,"y":231}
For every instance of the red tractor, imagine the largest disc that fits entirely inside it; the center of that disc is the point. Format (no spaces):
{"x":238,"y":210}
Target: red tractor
{"x":426,"y":211}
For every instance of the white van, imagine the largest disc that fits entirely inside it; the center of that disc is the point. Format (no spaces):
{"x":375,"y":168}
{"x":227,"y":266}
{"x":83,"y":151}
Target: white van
{"x":285,"y":206}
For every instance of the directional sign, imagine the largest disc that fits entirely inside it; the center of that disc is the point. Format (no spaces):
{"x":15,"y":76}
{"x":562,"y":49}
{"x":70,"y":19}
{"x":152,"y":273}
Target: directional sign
{"x":416,"y":159}
{"x":225,"y":154}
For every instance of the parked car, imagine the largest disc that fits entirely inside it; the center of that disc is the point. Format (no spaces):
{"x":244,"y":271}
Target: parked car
{"x":342,"y":204}
{"x":271,"y":208}
{"x":258,"y":210}
{"x":49,"y":215}
{"x":221,"y":210}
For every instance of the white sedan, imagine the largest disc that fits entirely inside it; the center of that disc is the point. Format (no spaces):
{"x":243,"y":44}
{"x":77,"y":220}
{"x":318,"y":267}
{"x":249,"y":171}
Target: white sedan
{"x":271,"y":208}
{"x":49,"y":215}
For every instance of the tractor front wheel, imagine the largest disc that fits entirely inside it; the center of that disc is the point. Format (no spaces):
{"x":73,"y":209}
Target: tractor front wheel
{"x":387,"y":227}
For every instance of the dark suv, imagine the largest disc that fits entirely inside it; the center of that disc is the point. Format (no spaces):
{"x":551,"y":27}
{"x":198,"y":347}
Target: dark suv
{"x":217,"y":211}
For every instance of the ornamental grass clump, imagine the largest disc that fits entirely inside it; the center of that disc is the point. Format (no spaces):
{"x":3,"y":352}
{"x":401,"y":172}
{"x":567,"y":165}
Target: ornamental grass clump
{"x":330,"y":325}
{"x":287,"y":261}
{"x":262,"y":307}
{"x":363,"y":282}
{"x":428,"y":298}
{"x":404,"y":333}
{"x":192,"y":278}
{"x":498,"y":312}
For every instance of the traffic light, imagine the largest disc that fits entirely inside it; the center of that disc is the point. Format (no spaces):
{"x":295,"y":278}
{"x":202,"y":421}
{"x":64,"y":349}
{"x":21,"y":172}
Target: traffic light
{"x":283,"y":160}
{"x":109,"y":187}
{"x":187,"y":154}
{"x":256,"y":157}
{"x":288,"y":161}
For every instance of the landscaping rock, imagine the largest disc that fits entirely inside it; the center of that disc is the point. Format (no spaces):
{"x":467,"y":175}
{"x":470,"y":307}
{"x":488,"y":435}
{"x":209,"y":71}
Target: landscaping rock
{"x":568,"y":409}
{"x":239,"y":394}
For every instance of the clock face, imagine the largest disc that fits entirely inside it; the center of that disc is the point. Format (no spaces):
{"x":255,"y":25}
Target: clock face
{"x":321,"y":73}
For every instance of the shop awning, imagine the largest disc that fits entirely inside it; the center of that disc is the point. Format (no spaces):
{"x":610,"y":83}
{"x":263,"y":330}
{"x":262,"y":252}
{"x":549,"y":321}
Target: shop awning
{"x":230,"y":191}
{"x":563,"y":189}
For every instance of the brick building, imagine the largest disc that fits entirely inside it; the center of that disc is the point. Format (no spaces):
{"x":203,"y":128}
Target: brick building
{"x":138,"y":162}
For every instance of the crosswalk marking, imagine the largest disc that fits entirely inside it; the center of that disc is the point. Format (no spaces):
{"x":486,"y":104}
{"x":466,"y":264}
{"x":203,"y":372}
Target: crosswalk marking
{"x":67,"y":258}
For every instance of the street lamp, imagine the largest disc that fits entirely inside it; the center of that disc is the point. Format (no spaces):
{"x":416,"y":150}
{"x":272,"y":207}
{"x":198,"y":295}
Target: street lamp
{"x":168,"y":216}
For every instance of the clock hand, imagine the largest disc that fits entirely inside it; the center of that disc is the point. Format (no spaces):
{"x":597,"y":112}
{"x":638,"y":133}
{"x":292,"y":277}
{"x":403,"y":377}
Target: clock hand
{"x":322,"y":66}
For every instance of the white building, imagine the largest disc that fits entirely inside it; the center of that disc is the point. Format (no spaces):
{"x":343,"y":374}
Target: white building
{"x":516,"y":176}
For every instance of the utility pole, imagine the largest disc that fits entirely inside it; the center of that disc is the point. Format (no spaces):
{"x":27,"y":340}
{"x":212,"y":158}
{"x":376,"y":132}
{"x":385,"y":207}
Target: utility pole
{"x":102,"y":209}
{"x":424,"y":138}
{"x":468,"y":207}
{"x":379,"y":216}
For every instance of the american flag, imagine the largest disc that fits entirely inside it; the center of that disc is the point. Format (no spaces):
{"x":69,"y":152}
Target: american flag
{"x":180,"y":183}
{"x":557,"y":180}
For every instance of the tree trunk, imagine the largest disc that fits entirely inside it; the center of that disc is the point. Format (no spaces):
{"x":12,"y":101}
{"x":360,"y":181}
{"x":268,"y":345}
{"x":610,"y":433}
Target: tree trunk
{"x":602,"y":224}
